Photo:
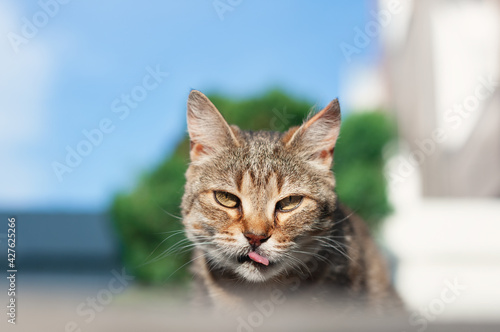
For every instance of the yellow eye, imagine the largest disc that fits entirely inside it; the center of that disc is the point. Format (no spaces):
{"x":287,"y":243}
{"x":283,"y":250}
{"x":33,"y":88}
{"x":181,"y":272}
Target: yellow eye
{"x":226,"y":199}
{"x":289,"y":203}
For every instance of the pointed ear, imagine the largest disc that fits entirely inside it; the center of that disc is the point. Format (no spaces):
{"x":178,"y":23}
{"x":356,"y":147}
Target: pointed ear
{"x":207,"y":128}
{"x":316,"y":138}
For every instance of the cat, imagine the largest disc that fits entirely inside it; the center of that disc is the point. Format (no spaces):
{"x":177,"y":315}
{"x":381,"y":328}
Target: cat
{"x":262,"y":212}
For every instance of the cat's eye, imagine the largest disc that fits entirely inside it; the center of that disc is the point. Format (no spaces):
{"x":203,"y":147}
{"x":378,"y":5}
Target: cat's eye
{"x":226,"y":199}
{"x":289,"y":203}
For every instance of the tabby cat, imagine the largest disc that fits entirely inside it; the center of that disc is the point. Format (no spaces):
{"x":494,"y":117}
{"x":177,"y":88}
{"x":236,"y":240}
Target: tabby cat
{"x":263,"y":214}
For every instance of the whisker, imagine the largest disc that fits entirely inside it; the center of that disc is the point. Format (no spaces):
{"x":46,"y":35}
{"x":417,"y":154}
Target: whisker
{"x":166,"y":252}
{"x":298,"y":262}
{"x":175,"y":233}
{"x":170,"y":214}
{"x":183,"y":265}
{"x":336,"y":248}
{"x":343,"y":219}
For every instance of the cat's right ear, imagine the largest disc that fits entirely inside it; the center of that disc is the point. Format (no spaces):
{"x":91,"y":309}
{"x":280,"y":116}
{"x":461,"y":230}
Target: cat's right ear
{"x":208,"y":131}
{"x":315,"y":140}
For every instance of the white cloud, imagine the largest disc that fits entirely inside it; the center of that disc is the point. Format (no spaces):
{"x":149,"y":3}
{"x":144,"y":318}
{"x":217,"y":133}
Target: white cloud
{"x":24,"y":84}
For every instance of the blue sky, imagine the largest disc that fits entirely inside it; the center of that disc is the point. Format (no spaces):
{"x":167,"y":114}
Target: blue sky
{"x":65,"y":78}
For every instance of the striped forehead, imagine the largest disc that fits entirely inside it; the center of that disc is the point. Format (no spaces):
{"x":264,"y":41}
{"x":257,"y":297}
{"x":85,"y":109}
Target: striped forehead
{"x":259,"y":183}
{"x":259,"y":176}
{"x":258,"y":192}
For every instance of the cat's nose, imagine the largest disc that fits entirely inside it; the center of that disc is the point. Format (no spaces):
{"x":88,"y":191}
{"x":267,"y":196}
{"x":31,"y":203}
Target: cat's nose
{"x":256,"y":240}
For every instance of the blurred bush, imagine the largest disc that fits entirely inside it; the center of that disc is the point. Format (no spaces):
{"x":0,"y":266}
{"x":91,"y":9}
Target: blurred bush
{"x":148,"y":219}
{"x":359,"y":165}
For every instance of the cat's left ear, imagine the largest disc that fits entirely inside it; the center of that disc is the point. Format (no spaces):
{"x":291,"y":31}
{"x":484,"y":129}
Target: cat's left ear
{"x":316,"y":138}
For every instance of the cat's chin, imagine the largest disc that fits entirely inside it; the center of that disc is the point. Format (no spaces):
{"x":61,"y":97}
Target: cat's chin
{"x":255,"y":272}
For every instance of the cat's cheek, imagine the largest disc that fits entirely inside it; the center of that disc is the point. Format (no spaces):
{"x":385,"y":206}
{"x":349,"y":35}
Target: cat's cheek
{"x":280,"y":241}
{"x":195,"y":228}
{"x":233,"y":234}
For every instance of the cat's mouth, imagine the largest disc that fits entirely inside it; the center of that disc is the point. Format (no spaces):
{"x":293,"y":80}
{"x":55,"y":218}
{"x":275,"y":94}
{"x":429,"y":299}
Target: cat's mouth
{"x":254,"y":258}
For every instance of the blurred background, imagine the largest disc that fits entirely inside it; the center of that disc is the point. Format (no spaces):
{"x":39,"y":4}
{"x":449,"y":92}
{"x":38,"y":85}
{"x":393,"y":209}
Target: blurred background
{"x":93,"y":141}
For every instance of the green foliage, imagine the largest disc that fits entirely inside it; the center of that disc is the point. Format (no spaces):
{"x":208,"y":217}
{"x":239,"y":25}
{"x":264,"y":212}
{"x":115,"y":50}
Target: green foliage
{"x":359,"y":164}
{"x":148,"y":219}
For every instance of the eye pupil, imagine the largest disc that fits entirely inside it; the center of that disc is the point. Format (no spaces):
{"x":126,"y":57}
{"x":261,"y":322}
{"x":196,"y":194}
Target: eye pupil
{"x":226,"y":199}
{"x":289,"y":203}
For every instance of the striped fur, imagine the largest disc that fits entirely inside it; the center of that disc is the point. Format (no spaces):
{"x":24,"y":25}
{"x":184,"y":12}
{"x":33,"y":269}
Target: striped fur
{"x":317,"y":245}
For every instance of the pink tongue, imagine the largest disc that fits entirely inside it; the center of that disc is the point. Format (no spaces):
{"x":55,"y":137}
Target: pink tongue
{"x":258,"y":258}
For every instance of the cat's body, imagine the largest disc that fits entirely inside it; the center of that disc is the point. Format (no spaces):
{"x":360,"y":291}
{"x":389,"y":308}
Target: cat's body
{"x":262,"y":211}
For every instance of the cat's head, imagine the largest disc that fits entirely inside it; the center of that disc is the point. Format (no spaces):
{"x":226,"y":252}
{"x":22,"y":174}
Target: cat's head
{"x":254,"y":201}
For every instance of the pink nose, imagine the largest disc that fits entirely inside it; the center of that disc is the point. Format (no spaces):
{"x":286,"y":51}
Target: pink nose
{"x":256,"y":239}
